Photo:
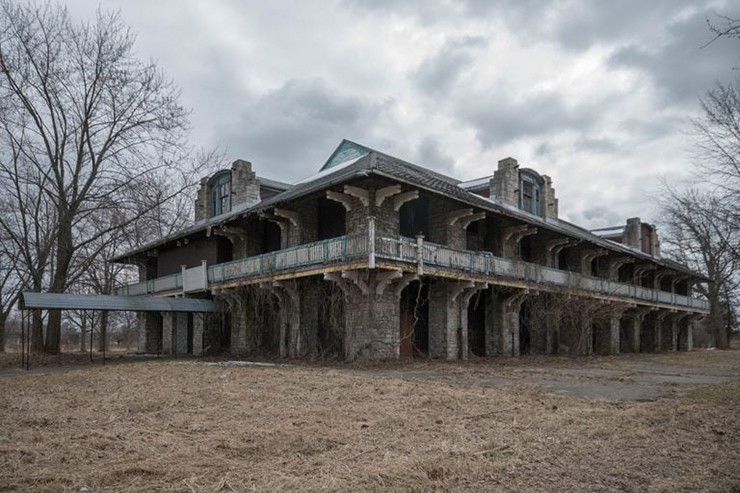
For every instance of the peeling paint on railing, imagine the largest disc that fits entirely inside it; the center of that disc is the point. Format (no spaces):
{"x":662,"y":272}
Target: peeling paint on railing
{"x":415,"y":251}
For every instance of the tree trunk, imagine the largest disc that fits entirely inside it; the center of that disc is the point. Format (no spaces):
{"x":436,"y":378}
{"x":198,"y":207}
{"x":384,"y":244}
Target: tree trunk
{"x":717,"y":327}
{"x":59,"y":281}
{"x":2,"y":333}
{"x":83,"y":332}
{"x":103,"y":332}
{"x":37,"y":332}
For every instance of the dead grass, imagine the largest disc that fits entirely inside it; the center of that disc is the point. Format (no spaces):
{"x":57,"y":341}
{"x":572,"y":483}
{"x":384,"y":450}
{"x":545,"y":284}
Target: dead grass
{"x":177,"y":426}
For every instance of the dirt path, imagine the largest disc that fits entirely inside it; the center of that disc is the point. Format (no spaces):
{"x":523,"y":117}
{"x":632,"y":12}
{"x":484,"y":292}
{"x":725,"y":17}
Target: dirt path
{"x":636,"y":380}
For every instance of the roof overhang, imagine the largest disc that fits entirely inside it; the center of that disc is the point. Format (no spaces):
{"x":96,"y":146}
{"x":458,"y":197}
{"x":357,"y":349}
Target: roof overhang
{"x":69,"y":301}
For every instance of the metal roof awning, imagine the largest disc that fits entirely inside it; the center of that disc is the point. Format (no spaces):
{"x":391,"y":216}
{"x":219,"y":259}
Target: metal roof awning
{"x":68,"y":301}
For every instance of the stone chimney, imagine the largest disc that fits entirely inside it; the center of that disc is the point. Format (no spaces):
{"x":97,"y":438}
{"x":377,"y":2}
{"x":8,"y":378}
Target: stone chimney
{"x":549,"y":202}
{"x":633,"y":233}
{"x":202,"y":200}
{"x":505,"y":182}
{"x":245,"y":187}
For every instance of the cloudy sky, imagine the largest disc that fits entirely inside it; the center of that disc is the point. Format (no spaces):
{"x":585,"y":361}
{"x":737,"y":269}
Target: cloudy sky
{"x":596,"y":94}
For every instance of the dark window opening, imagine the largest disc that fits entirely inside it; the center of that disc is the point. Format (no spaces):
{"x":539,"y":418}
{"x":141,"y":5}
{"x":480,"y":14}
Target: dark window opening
{"x":474,"y":238}
{"x":414,"y":218}
{"x":477,"y":324}
{"x":224,"y":250}
{"x":525,"y":332}
{"x":271,"y":237}
{"x":526,"y":250}
{"x":332,"y":219}
{"x":529,"y":194}
{"x":221,"y":193}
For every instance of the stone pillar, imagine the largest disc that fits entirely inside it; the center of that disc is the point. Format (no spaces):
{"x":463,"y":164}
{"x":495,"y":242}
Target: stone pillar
{"x":503,"y":322}
{"x":608,"y":337}
{"x":199,"y":321}
{"x":652,"y":331}
{"x":240,"y":302}
{"x":181,"y":333}
{"x":150,"y":332}
{"x":448,"y":318}
{"x":669,"y":332}
{"x":168,"y":335}
{"x":686,"y":334}
{"x":373,"y":314}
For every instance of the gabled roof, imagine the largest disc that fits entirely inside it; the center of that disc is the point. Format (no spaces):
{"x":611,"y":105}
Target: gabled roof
{"x":346,"y":151}
{"x":351,"y":160}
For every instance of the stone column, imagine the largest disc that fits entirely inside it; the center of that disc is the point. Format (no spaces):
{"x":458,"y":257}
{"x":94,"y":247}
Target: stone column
{"x":503,"y":322}
{"x":199,"y":321}
{"x":373,"y":314}
{"x":686,"y":334}
{"x":608,"y":340}
{"x":669,"y":332}
{"x":168,"y":336}
{"x":448,"y":318}
{"x":181,"y":333}
{"x":150,"y":332}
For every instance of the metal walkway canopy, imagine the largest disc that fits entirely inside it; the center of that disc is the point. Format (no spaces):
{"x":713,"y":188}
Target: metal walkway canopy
{"x":67,"y":301}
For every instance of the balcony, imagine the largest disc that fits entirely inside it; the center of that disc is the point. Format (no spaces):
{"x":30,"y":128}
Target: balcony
{"x":363,"y":251}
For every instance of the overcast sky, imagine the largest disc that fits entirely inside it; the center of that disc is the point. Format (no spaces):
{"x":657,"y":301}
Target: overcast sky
{"x":596,"y":94}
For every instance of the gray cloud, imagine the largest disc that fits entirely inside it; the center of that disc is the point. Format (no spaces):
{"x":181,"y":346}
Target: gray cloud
{"x":430,"y":154}
{"x":438,"y":74}
{"x":500,"y":116}
{"x":681,"y":68}
{"x":288,"y":132}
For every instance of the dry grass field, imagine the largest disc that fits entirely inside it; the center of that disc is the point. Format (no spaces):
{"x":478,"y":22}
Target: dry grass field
{"x":176,"y":425}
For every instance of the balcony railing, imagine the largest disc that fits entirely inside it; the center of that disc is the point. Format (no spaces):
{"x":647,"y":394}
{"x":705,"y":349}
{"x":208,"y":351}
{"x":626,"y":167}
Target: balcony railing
{"x":368,"y":249}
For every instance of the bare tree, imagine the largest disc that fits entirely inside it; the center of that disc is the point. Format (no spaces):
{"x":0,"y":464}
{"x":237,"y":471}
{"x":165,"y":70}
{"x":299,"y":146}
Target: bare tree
{"x":100,"y":133}
{"x":700,"y":233}
{"x":723,"y":27}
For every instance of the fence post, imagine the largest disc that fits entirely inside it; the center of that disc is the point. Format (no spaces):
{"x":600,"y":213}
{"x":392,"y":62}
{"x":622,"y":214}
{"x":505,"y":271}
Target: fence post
{"x":371,"y":242}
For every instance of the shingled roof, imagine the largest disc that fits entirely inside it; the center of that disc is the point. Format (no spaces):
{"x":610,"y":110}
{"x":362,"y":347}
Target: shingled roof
{"x":380,"y":164}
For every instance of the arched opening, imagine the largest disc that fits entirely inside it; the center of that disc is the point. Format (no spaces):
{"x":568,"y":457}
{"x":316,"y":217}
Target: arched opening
{"x":220,"y":188}
{"x":414,"y":320}
{"x":414,"y":217}
{"x":477,"y":324}
{"x":332,"y":219}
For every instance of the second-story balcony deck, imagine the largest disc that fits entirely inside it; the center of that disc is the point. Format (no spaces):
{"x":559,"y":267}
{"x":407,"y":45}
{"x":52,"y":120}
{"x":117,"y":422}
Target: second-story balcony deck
{"x":410,"y":255}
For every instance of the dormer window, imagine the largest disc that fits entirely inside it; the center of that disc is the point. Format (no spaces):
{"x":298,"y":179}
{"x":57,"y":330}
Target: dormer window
{"x":221,"y":192}
{"x":529,"y":193}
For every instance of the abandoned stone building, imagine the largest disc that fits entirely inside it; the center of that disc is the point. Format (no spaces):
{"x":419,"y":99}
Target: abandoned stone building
{"x":374,"y":257}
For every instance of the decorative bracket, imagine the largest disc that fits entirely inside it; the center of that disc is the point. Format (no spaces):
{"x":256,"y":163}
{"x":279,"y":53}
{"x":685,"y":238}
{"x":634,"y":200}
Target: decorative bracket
{"x":343,"y":284}
{"x":292,"y":216}
{"x":514,"y":302}
{"x":589,"y":256}
{"x":402,"y":198}
{"x":516,"y":233}
{"x":354,"y":276}
{"x":384,"y":279}
{"x":359,"y":193}
{"x":343,"y":199}
{"x":404,"y":281}
{"x":615,"y":264}
{"x":386,"y":192}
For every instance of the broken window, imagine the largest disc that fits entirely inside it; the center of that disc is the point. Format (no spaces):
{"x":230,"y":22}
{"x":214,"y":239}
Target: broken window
{"x":221,"y":192}
{"x":529,"y":193}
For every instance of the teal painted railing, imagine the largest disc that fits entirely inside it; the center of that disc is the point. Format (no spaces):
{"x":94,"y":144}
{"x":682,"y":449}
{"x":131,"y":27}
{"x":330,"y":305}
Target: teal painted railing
{"x":345,"y":249}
